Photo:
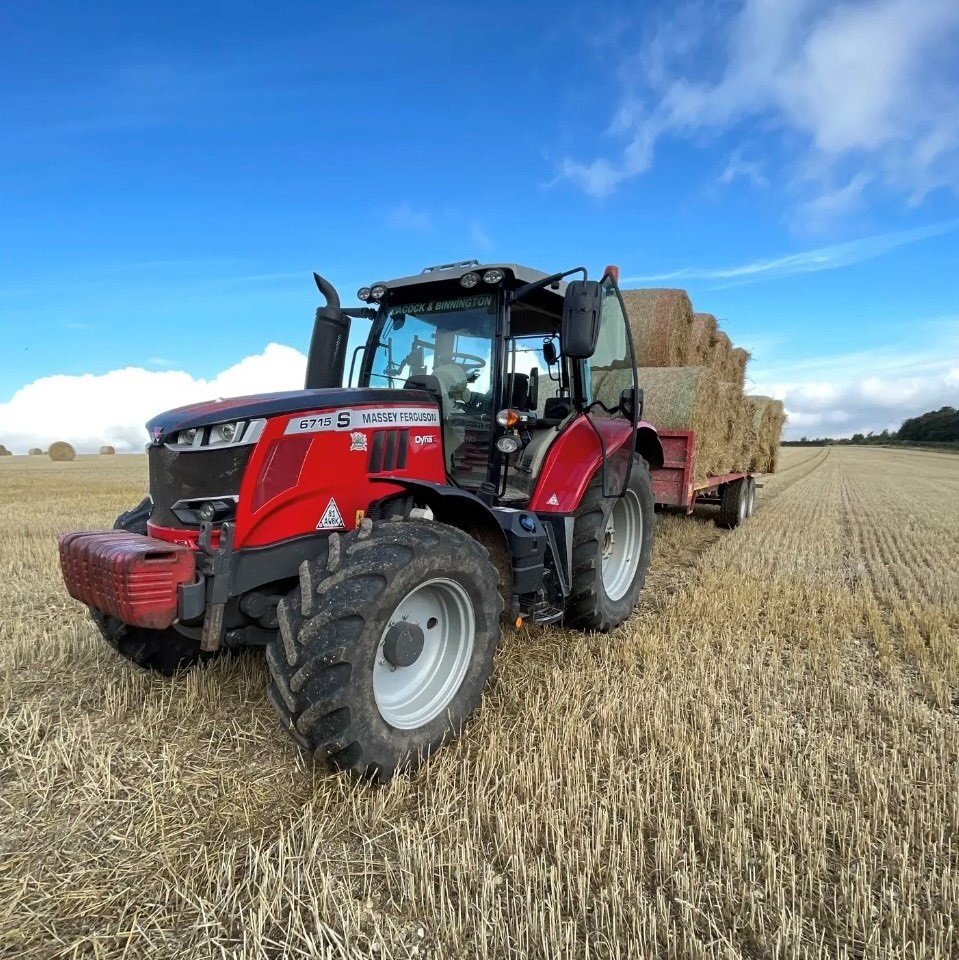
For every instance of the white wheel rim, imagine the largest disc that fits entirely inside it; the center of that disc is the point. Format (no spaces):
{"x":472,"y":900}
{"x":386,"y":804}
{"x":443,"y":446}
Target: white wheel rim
{"x":743,"y":503}
{"x":409,"y":697}
{"x":622,"y":545}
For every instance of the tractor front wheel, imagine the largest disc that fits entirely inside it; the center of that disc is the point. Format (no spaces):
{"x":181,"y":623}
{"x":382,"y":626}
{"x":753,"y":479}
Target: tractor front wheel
{"x":612,"y":547}
{"x":386,"y":645}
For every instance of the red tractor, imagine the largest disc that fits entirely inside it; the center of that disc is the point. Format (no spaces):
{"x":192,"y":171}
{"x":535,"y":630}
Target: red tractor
{"x":373,"y":537}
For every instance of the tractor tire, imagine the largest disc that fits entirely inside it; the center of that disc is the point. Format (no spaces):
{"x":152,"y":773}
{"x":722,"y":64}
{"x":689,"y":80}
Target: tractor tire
{"x":162,"y":651}
{"x":135,"y":520}
{"x":734,"y":504}
{"x":345,"y":680}
{"x":607,"y":579}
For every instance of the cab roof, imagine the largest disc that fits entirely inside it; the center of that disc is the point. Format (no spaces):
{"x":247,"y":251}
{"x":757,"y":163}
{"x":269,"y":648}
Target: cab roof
{"x":516,"y":276}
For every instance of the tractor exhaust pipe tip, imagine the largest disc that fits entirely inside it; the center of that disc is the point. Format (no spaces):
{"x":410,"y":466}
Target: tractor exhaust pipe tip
{"x":328,"y":291}
{"x":331,"y":332}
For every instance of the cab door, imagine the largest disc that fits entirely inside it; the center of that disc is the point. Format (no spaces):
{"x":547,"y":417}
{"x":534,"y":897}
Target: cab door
{"x":610,"y":371}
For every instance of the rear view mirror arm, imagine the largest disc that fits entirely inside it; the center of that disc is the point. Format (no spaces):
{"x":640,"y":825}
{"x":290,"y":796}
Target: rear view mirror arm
{"x":528,"y":288}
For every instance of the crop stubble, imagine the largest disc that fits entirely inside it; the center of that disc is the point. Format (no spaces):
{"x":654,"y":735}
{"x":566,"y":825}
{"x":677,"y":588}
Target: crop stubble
{"x":761,"y":762}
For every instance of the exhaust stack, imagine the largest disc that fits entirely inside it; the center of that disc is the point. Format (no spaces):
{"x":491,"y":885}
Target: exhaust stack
{"x":331,"y":332}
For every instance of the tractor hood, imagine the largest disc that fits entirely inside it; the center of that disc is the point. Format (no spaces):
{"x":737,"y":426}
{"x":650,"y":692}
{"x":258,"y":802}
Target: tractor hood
{"x":273,"y":404}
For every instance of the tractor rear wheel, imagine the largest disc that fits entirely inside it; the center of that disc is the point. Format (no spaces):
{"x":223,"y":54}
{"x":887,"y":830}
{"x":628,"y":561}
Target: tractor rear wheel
{"x":163,"y":651}
{"x":734,"y":504}
{"x":386,"y":645}
{"x":612,"y":547}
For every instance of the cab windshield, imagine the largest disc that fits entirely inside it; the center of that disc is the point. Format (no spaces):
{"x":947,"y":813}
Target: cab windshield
{"x":450,"y":341}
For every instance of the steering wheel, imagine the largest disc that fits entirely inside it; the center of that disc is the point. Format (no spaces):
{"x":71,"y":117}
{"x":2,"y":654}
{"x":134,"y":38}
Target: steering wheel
{"x":471,"y":359}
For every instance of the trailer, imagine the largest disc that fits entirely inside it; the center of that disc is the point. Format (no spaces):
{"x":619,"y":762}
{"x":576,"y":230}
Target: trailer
{"x":674,"y":488}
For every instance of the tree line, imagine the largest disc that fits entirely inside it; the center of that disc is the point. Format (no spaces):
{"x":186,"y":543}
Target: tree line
{"x":936,"y":428}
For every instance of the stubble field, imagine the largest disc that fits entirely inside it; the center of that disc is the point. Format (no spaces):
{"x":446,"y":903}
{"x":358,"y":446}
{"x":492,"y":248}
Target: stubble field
{"x":762,"y":762}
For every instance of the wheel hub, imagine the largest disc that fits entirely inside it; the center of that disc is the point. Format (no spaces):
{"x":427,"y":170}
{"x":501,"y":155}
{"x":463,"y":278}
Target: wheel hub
{"x":403,"y":644}
{"x":622,"y":545}
{"x":424,"y":653}
{"x":609,"y":539}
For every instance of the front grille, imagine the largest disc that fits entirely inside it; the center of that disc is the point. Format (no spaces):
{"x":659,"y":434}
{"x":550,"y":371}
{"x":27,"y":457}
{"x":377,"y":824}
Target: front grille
{"x":176,"y":475}
{"x":388,"y":450}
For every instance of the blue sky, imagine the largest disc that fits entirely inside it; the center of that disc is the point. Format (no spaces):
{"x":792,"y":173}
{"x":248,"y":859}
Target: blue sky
{"x":170,"y":175}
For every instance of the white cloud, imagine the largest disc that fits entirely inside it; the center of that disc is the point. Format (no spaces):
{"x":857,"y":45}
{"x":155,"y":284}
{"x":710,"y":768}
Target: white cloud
{"x":112,"y":408}
{"x":738,"y":167}
{"x":824,"y":396}
{"x":405,"y":217}
{"x":856,"y":91}
{"x":808,"y":261}
{"x":862,"y":391}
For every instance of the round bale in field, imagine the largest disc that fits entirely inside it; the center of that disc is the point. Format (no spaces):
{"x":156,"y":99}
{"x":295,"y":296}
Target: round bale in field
{"x":4,"y":452}
{"x":35,"y":452}
{"x":106,"y":450}
{"x":61,"y":451}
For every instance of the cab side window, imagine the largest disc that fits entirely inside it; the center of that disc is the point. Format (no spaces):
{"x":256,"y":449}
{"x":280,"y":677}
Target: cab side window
{"x":611,"y":366}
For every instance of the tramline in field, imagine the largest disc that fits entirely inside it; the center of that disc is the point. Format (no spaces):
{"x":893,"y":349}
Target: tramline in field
{"x":372,"y":536}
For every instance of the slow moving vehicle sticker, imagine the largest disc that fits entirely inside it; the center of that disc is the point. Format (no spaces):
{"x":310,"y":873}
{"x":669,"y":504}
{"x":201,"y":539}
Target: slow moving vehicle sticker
{"x":332,"y":519}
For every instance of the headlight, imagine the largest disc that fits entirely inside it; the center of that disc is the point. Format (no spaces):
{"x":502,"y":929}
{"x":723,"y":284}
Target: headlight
{"x":469,"y":280}
{"x":508,"y":444}
{"x":363,"y":293}
{"x":377,"y":291}
{"x":214,"y":510}
{"x":186,"y":437}
{"x":224,"y":433}
{"x":493,"y":276}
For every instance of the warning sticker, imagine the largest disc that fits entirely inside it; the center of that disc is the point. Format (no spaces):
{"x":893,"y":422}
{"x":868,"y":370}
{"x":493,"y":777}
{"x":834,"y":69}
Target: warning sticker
{"x":553,"y":501}
{"x":332,"y":519}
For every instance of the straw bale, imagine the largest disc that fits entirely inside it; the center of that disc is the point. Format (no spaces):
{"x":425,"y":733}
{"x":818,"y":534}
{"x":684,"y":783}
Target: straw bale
{"x":765,"y":423}
{"x":60,"y":450}
{"x":661,"y":322}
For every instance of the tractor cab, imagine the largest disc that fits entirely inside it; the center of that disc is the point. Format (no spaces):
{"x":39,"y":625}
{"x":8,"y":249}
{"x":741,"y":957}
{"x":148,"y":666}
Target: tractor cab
{"x":486,"y":342}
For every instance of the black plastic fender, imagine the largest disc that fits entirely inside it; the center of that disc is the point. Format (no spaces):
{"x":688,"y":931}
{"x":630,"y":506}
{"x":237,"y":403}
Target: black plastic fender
{"x":465,"y":511}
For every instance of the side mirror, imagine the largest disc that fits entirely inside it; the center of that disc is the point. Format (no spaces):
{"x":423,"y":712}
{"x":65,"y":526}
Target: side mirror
{"x":582,"y":311}
{"x":631,"y":403}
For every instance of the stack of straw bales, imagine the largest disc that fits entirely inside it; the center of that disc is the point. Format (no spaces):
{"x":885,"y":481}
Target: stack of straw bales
{"x":764,"y":426}
{"x":62,"y":451}
{"x":693,"y":379}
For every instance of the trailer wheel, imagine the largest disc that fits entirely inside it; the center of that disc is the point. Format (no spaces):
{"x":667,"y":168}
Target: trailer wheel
{"x":751,"y":497}
{"x":734,"y":504}
{"x":386,"y":645}
{"x":612,"y":547}
{"x":163,"y":651}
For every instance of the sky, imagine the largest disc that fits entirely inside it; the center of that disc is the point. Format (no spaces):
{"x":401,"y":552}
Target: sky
{"x":171,"y":174}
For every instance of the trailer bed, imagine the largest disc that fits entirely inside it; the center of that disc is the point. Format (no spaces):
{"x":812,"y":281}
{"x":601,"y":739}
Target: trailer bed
{"x":673,"y":484}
